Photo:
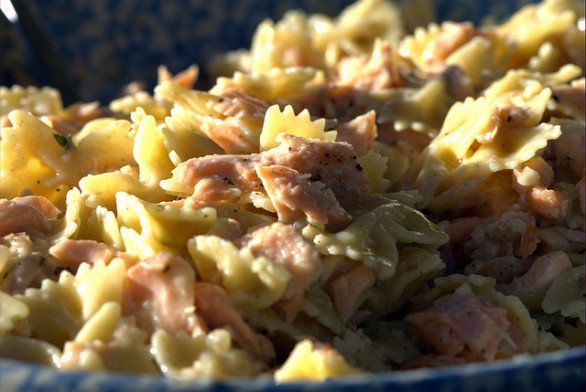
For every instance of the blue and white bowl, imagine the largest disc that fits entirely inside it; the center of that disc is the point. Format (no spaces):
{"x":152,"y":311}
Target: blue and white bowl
{"x":106,"y":44}
{"x":558,"y":371}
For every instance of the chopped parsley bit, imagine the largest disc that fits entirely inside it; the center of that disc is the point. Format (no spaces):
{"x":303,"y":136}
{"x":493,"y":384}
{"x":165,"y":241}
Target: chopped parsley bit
{"x":65,"y":142}
{"x":228,"y":181}
{"x":26,"y":192}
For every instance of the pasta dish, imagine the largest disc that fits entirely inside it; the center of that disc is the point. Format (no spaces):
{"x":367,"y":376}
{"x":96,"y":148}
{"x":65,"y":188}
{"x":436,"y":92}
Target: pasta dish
{"x":356,"y":194}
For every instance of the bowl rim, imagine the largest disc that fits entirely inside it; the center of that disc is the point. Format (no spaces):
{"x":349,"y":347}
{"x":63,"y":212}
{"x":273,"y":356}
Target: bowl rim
{"x":565,"y":367}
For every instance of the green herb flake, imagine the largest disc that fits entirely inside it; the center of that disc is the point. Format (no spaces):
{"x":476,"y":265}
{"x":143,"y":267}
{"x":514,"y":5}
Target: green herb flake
{"x":64,"y":141}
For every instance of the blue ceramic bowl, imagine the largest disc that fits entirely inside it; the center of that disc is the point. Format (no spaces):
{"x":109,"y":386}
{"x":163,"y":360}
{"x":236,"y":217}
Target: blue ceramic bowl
{"x":558,"y":371}
{"x":108,"y":43}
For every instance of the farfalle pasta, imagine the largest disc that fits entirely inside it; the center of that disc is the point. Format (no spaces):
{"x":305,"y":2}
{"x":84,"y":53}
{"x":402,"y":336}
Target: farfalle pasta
{"x":368,"y":193}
